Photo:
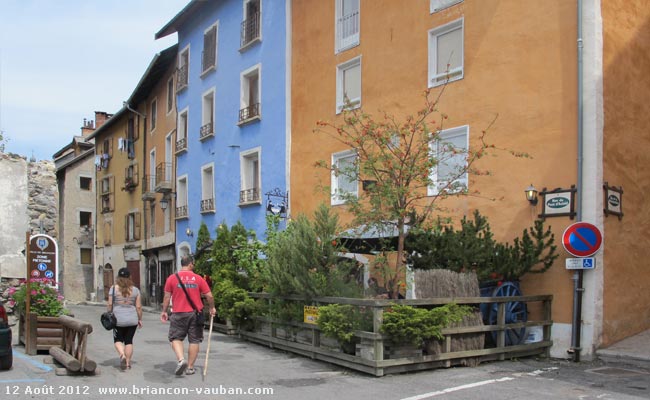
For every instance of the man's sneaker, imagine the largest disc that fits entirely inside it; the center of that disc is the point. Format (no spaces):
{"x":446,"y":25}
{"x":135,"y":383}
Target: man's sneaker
{"x":180,"y":367}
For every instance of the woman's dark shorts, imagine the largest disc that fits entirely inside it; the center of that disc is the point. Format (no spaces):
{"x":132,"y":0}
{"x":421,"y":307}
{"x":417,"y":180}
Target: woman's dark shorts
{"x":124,"y":334}
{"x":184,"y":324}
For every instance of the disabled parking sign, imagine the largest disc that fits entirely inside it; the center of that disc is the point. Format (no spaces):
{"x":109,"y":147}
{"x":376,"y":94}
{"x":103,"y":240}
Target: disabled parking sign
{"x":582,"y":239}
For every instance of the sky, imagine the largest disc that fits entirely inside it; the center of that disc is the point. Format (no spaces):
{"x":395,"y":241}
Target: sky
{"x":62,"y":60}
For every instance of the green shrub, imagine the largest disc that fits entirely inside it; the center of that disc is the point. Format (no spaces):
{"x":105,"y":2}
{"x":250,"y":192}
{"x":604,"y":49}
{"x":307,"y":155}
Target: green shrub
{"x":338,"y":321}
{"x":406,"y":324}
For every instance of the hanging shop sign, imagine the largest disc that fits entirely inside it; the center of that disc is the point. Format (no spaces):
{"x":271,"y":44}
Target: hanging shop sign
{"x":613,"y":200}
{"x":558,"y":202}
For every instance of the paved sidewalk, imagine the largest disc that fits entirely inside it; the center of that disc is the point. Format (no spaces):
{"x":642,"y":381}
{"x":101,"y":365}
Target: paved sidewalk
{"x":634,"y":350}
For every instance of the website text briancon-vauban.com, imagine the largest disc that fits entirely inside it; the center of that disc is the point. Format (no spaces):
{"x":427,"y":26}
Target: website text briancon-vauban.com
{"x":207,"y":390}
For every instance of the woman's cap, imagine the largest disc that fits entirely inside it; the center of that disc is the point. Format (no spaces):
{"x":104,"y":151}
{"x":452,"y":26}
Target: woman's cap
{"x":124,"y":273}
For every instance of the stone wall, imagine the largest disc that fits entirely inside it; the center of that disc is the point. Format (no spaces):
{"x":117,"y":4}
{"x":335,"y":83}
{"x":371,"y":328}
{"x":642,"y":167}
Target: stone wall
{"x":29,"y":201}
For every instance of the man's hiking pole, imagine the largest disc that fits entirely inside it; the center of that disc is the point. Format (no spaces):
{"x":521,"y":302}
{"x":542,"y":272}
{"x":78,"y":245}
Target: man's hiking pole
{"x":207,"y":351}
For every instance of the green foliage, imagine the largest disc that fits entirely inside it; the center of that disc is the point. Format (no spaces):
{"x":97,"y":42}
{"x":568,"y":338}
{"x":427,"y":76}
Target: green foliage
{"x":339,"y":321}
{"x":303,"y":260}
{"x":45,"y":300}
{"x":406,"y":324}
{"x":201,"y":264}
{"x":473,"y":248}
{"x":234,"y":303}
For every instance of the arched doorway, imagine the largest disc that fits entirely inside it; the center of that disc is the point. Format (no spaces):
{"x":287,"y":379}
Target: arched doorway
{"x":108,"y":279}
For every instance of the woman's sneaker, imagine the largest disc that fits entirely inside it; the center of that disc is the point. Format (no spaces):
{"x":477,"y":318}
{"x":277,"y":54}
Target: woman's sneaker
{"x":180,"y":367}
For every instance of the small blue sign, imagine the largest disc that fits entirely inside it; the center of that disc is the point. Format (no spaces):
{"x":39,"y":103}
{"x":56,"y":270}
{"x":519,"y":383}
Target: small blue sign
{"x":42,"y":267}
{"x":49,"y":274}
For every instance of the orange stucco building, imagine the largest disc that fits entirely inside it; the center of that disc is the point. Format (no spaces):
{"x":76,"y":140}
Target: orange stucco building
{"x":517,"y":64}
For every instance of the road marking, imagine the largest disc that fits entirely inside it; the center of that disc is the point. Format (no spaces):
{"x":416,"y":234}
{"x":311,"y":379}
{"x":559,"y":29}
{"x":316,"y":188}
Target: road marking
{"x":477,"y":384}
{"x":33,"y":362}
{"x":23,"y":381}
{"x":457,"y":388}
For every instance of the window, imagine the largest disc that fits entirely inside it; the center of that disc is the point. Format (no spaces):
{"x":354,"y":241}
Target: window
{"x":182,"y":74}
{"x":209,"y":57}
{"x":344,"y":176}
{"x":131,"y":177}
{"x":446,"y":53}
{"x":348,"y":89}
{"x":250,"y":177}
{"x":86,"y":256}
{"x":450,"y":150}
{"x":181,"y":197}
{"x":347,"y":24}
{"x":154,"y":113}
{"x":85,"y":219}
{"x":207,"y":189}
{"x":132,"y":226}
{"x":85,"y":183}
{"x":107,"y":186}
{"x":437,"y":5}
{"x":251,"y":27}
{"x":207,"y":116}
{"x":250,"y":95}
{"x":181,"y":132}
{"x":170,"y":95}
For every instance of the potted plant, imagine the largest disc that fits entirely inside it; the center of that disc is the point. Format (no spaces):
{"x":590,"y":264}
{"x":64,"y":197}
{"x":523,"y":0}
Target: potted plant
{"x":46,"y":305}
{"x":413,"y":327}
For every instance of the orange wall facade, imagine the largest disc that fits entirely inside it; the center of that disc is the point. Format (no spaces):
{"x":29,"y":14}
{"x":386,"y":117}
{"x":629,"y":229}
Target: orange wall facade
{"x":520,"y":66}
{"x":626,"y":84}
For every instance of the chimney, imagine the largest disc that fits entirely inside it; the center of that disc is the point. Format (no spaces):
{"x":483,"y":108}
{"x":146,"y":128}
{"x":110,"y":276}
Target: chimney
{"x":87,"y":128}
{"x":101,"y":117}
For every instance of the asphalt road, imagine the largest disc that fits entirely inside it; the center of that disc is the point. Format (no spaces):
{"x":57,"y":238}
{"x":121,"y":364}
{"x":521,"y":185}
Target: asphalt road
{"x":236,"y":365}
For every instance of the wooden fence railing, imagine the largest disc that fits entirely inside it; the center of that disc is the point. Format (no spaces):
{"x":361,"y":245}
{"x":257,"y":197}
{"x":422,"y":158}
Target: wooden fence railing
{"x":374,"y":354}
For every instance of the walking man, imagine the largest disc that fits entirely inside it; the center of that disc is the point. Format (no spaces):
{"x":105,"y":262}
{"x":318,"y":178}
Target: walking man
{"x":185,"y":295}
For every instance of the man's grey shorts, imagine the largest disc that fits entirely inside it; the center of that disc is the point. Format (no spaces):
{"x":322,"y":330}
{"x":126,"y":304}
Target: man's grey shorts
{"x":184,"y":324}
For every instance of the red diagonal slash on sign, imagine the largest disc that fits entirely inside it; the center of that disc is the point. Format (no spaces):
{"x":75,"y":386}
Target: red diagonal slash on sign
{"x":582,"y":239}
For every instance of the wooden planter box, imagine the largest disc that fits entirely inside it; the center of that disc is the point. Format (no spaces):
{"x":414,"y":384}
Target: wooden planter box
{"x":44,"y":332}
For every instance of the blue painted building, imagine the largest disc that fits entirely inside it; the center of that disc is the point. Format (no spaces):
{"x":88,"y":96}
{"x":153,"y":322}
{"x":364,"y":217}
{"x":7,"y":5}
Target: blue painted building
{"x":232,"y":95}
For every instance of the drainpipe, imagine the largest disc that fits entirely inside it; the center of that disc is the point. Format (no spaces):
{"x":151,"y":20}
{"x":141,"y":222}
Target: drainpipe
{"x":578,"y":274}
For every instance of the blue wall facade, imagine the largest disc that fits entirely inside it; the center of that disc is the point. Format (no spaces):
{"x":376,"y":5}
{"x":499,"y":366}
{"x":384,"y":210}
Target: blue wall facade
{"x":223,"y":150}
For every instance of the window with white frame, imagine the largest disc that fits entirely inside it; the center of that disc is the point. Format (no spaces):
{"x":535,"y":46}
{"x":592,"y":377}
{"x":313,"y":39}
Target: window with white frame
{"x":132,"y":226}
{"x":347,"y":24}
{"x":170,"y":94}
{"x":209,"y":56}
{"x":437,"y":5}
{"x":250,"y":94}
{"x":182,"y":74}
{"x":251,"y":27}
{"x":154,"y":114}
{"x":181,"y":131}
{"x":207,"y":115}
{"x":450,"y":151}
{"x":348,"y":85}
{"x":446,"y":59}
{"x":207,"y":189}
{"x":344,"y":176}
{"x":250,"y":176}
{"x":181,"y":197}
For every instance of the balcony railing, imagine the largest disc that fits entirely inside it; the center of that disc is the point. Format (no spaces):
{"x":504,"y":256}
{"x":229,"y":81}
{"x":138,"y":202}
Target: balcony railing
{"x":181,"y":78}
{"x":163,"y":178}
{"x":206,"y":131}
{"x":208,"y":59}
{"x":249,"y":195}
{"x":181,"y":145}
{"x":148,"y":187}
{"x":348,"y":30}
{"x":250,"y":29}
{"x":207,"y":205}
{"x":181,"y":212}
{"x":249,"y":112}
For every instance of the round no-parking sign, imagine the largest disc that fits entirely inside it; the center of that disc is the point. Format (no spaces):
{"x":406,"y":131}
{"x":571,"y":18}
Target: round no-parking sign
{"x":582,"y":239}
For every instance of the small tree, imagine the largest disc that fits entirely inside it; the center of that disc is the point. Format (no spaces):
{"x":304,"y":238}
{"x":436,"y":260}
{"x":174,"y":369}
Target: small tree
{"x":397,"y":160}
{"x":3,"y":141}
{"x":201,"y":264}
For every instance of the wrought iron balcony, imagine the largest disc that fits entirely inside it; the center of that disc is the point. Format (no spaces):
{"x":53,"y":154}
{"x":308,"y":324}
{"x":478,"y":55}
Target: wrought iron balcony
{"x":181,"y":212}
{"x":250,"y":29}
{"x":249,"y":195}
{"x":207,"y":205}
{"x":163,"y":178}
{"x":206,"y":131}
{"x":249,"y":112}
{"x":182,"y":78}
{"x":149,"y":187}
{"x":181,"y":145}
{"x":208,"y":59}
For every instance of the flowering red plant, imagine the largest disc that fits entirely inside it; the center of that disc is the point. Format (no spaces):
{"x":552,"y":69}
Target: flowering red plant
{"x":45,"y":299}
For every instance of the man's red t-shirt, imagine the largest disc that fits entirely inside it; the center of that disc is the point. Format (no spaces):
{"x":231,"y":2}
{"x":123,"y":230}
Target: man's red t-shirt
{"x":195,"y":286}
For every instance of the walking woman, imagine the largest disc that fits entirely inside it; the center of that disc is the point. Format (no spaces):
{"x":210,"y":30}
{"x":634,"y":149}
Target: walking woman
{"x":128,"y":312}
